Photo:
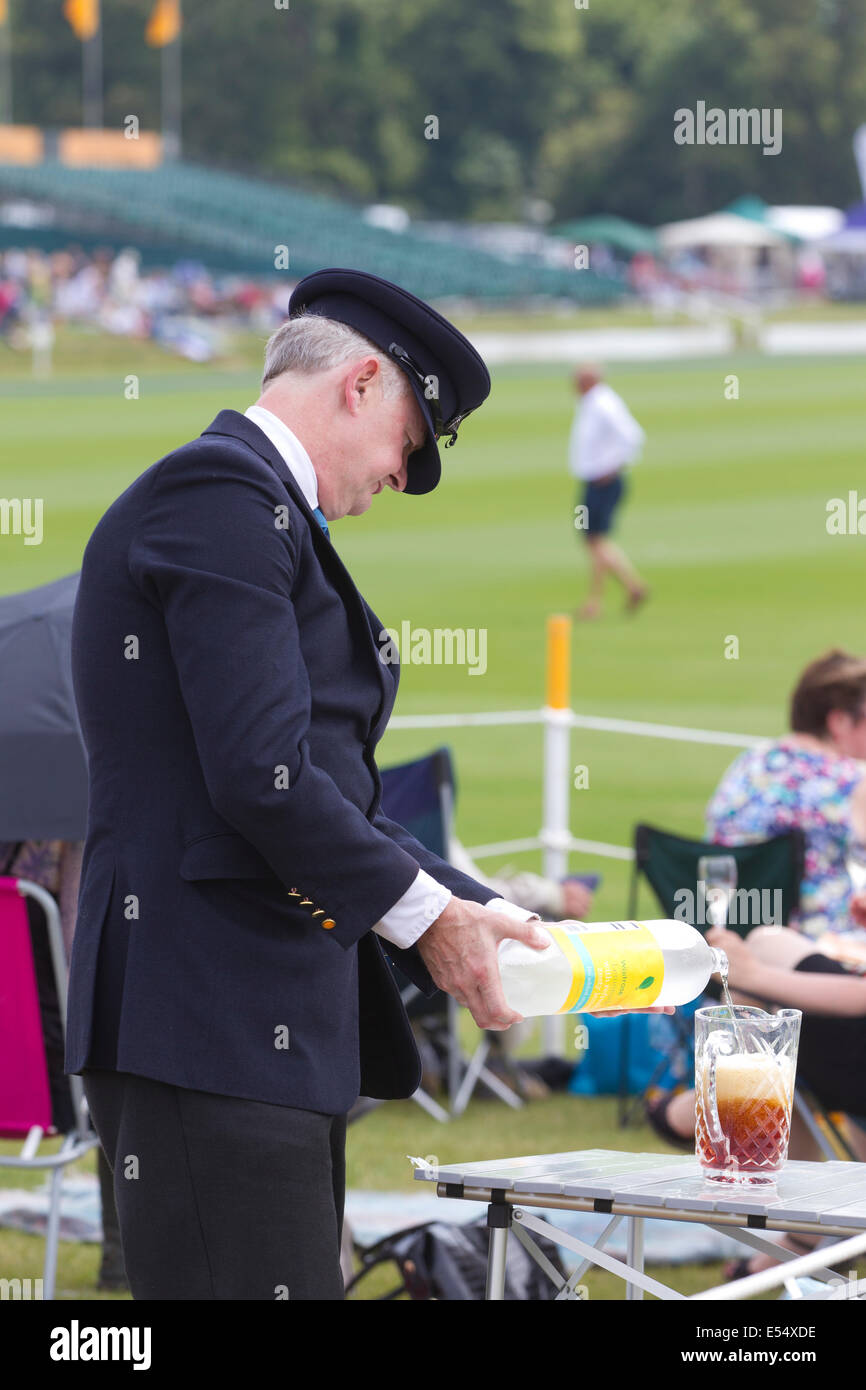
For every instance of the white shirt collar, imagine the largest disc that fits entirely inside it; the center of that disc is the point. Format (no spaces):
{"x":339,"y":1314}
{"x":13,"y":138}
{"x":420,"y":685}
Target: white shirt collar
{"x":290,"y":449}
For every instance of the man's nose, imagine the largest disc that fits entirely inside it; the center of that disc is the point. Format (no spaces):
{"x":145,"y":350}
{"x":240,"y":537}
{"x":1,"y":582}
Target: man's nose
{"x":399,"y":479}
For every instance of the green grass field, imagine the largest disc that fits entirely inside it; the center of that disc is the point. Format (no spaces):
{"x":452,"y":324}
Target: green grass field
{"x":726,"y":518}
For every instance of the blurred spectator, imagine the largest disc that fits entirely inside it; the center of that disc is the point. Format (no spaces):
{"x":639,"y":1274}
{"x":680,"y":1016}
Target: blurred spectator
{"x":812,"y":778}
{"x":186,"y":308}
{"x":567,"y":899}
{"x":605,"y":440}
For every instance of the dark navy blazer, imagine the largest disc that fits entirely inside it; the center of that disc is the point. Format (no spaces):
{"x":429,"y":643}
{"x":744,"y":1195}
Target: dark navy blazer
{"x":231,"y":696}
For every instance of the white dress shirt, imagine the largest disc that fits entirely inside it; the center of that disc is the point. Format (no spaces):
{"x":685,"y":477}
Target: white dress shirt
{"x":605,"y":436}
{"x":424,"y":899}
{"x":294,"y":455}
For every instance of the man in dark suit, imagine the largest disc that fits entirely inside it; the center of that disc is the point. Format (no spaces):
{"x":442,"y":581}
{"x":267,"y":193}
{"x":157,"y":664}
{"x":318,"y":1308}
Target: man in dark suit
{"x":229,"y":998}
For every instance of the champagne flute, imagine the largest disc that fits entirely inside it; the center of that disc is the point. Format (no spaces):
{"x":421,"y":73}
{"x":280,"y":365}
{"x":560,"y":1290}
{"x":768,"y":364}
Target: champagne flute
{"x":717,"y":881}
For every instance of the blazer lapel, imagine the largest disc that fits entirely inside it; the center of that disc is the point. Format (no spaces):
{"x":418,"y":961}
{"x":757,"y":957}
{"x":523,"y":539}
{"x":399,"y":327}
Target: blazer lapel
{"x":238,"y":426}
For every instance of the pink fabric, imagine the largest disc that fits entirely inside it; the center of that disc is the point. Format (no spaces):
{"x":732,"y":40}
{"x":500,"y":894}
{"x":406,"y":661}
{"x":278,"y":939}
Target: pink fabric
{"x":25,"y":1098}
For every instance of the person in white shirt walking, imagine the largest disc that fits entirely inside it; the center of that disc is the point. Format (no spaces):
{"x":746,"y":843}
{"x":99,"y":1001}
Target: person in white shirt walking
{"x":605,"y":439}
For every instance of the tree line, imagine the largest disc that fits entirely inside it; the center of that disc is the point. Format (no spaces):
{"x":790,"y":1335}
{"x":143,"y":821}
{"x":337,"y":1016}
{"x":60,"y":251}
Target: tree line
{"x":488,"y":109}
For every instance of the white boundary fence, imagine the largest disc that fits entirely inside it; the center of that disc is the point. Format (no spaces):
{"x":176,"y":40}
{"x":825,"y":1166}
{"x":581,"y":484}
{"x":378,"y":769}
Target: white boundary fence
{"x":555,"y":837}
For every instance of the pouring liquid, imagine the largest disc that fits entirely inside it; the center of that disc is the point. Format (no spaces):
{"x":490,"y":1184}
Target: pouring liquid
{"x":717,"y":914}
{"x":726,"y":995}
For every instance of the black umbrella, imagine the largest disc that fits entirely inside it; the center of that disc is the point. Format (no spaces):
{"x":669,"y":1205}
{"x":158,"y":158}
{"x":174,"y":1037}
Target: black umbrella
{"x":43,"y":763}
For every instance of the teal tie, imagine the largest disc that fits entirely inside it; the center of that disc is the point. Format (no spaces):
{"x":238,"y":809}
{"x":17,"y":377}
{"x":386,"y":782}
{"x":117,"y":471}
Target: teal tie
{"x":320,"y":517}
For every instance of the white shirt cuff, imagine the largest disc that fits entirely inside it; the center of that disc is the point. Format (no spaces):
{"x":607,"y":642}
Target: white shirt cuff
{"x":423,"y":901}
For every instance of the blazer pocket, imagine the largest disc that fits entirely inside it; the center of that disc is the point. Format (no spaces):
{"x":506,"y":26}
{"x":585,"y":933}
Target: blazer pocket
{"x":223,"y":856}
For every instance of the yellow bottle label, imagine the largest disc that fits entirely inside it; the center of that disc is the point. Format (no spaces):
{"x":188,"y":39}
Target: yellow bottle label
{"x":615,"y":965}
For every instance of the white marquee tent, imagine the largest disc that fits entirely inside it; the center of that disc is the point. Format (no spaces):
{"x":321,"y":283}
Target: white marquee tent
{"x":719,"y":229}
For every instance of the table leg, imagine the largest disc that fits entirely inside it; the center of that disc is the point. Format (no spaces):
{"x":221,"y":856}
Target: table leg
{"x":634,"y":1257}
{"x":495,"y":1290}
{"x":499,"y":1218}
{"x":598,"y":1257}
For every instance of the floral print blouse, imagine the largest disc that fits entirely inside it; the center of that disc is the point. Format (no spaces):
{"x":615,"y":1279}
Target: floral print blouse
{"x":778,"y":785}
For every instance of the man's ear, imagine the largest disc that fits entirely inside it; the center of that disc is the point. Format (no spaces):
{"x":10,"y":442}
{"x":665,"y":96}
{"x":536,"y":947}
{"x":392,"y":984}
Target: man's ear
{"x":361,"y":376}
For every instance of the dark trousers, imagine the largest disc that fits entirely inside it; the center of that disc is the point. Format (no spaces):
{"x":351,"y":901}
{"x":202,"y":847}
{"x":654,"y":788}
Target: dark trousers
{"x":221,"y":1198}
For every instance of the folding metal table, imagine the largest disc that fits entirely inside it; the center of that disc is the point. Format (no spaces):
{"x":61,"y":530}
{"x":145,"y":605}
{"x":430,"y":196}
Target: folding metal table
{"x":827,"y":1199}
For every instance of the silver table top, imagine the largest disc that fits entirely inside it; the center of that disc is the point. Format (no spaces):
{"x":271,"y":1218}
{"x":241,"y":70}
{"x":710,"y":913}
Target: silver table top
{"x":665,"y":1185}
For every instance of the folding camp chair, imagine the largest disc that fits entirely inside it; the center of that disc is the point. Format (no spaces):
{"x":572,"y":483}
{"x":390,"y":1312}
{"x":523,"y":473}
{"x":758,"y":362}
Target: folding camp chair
{"x":37,"y":1101}
{"x":419,"y":795}
{"x":824,"y":1126}
{"x":768,"y":879}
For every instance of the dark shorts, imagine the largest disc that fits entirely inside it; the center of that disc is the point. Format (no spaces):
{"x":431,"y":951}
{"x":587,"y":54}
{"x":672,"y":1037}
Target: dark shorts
{"x":831,"y":1059}
{"x":601,"y":501}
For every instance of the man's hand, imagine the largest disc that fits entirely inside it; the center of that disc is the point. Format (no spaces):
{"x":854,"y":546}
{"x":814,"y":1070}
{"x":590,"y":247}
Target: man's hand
{"x":459,"y":949}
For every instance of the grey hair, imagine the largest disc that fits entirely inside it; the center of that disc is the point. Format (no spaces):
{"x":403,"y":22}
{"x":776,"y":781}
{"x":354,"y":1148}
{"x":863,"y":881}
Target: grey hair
{"x":313,"y":343}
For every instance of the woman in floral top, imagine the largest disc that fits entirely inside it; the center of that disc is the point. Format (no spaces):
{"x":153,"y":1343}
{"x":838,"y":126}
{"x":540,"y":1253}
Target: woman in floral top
{"x":812,"y":778}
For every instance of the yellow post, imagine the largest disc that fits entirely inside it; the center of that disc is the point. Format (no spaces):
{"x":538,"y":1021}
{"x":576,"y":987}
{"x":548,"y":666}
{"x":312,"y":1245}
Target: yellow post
{"x":558,"y":660}
{"x":555,"y":834}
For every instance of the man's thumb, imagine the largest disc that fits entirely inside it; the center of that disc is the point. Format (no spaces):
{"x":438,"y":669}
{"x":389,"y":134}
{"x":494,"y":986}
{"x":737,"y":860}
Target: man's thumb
{"x":532,"y":934}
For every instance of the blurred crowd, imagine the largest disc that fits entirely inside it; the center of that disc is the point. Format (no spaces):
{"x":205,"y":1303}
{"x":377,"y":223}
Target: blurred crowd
{"x":187,"y":308}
